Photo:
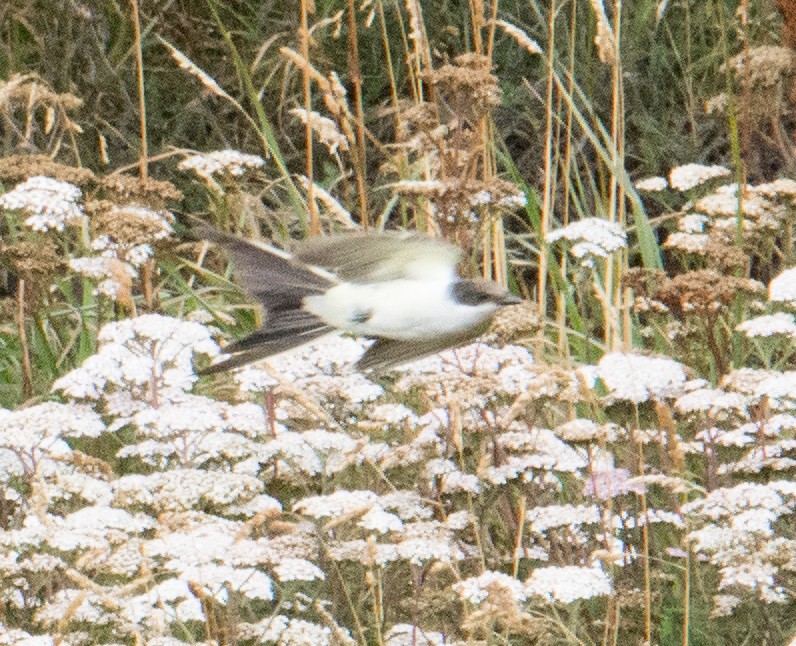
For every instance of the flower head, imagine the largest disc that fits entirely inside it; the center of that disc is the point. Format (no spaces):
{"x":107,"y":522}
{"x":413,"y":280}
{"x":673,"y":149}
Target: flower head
{"x":49,"y":203}
{"x":636,"y":378}
{"x":686,"y":177}
{"x":568,"y":584}
{"x":591,"y":237}
{"x":782,"y":288}
{"x":221,"y":163}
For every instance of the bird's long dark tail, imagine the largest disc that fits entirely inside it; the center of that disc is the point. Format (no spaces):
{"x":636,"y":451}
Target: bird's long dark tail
{"x":284,"y":331}
{"x":280,"y":285}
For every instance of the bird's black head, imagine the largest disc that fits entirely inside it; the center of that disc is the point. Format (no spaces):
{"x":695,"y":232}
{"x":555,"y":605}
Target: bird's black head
{"x":481,"y":292}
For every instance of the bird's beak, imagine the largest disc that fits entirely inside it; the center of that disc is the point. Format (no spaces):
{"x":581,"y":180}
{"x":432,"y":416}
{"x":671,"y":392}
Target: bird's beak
{"x":511,"y":299}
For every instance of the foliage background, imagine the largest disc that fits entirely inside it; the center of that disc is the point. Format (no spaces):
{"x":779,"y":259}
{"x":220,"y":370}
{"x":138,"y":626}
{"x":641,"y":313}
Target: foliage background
{"x":496,"y":125}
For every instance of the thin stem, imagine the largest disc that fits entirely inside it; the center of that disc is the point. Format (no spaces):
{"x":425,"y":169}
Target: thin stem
{"x":351,"y":607}
{"x":490,"y":38}
{"x":477,"y":20}
{"x":566,"y":170}
{"x":616,"y":213}
{"x":686,"y":597}
{"x":547,"y":199}
{"x":27,"y":373}
{"x":394,"y":100}
{"x":732,"y":122}
{"x":356,"y":80}
{"x":745,"y":126}
{"x":373,"y":578}
{"x":645,"y":538}
{"x":304,"y":38}
{"x":143,"y":163}
{"x":523,"y":502}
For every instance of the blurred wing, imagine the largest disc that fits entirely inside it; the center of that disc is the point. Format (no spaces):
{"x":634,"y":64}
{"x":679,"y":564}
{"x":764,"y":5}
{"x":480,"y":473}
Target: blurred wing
{"x":386,"y":353}
{"x":365,"y":257}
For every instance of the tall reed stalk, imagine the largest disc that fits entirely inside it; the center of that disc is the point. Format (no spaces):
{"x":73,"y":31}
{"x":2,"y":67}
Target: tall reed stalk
{"x":359,"y":157}
{"x":306,"y":6}
{"x":549,"y":171}
{"x":143,"y":159}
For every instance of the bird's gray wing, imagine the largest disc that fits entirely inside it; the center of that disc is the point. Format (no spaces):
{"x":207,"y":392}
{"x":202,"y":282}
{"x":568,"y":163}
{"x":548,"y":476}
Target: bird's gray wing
{"x":363,"y":257}
{"x":386,"y":353}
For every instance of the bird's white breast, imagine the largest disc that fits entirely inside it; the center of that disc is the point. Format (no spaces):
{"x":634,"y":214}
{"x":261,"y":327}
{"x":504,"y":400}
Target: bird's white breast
{"x":403,"y":309}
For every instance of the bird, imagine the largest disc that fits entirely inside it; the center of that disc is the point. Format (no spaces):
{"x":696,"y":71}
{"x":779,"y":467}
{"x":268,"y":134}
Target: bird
{"x":399,"y":288}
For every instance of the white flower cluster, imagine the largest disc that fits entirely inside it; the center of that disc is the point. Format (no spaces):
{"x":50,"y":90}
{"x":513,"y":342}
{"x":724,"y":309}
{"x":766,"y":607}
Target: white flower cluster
{"x":714,"y":402}
{"x":477,"y":589}
{"x":652,"y":184}
{"x":484,"y":197}
{"x":50,"y":203}
{"x":586,"y":430}
{"x":297,"y":456}
{"x":693,"y":223}
{"x":532,"y":454}
{"x":39,"y":433}
{"x":769,"y":325}
{"x":221,"y":163}
{"x":481,"y":374}
{"x":738,"y":535}
{"x":390,"y":528}
{"x":591,"y":238}
{"x":113,"y":276}
{"x":782,"y":289}
{"x":323,"y":368}
{"x":433,"y":187}
{"x":636,"y":378}
{"x":568,"y":584}
{"x":319,"y":476}
{"x":409,"y":635}
{"x":684,"y":178}
{"x":287,"y":631}
{"x":690,"y":242}
{"x":777,"y":327}
{"x":761,"y":209}
{"x":168,"y":540}
{"x":542,"y":519}
{"x":145,"y":359}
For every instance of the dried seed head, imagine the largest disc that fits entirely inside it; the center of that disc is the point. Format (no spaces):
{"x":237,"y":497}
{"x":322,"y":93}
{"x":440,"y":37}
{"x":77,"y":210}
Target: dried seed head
{"x":513,"y":323}
{"x":34,"y":261}
{"x":466,"y":89}
{"x":764,"y":66}
{"x":130,"y":225}
{"x":17,"y":168}
{"x":151,"y":192}
{"x":704,"y":290}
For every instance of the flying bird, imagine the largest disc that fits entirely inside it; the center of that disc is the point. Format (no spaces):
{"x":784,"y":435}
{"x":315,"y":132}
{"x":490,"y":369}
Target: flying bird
{"x":399,"y":288}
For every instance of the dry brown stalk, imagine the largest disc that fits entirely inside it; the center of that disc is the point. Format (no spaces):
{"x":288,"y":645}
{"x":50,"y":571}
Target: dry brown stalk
{"x":549,"y":175}
{"x":359,"y":158}
{"x":27,"y":372}
{"x":143,"y":163}
{"x":306,"y":7}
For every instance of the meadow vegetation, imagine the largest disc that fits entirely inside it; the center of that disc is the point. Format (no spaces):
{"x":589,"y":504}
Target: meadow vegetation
{"x":612,"y":464}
